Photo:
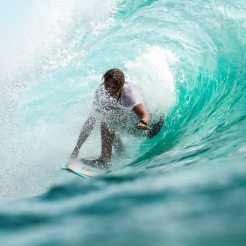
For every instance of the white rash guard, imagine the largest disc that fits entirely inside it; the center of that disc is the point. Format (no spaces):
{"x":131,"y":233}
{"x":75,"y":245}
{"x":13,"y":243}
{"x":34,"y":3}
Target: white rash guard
{"x":116,"y":112}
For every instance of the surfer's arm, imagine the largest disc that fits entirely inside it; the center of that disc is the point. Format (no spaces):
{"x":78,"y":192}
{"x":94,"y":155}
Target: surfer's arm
{"x":144,"y":117}
{"x":85,"y":132}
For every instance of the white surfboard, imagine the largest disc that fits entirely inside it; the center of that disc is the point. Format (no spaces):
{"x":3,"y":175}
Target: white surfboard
{"x":83,"y":170}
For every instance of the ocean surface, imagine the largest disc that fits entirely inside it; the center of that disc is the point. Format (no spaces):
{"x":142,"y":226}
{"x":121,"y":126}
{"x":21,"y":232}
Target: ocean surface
{"x":187,"y":185}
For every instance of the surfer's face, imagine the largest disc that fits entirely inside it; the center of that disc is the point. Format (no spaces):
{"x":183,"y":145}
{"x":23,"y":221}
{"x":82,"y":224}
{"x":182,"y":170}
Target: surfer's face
{"x":111,"y":88}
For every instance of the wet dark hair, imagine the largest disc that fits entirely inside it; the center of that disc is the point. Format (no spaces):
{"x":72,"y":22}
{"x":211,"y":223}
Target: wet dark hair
{"x":116,"y":75}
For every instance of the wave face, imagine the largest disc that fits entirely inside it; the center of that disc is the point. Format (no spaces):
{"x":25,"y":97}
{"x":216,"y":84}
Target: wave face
{"x":187,"y":185}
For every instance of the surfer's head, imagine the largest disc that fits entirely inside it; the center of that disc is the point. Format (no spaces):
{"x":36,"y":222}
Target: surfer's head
{"x":113,"y":81}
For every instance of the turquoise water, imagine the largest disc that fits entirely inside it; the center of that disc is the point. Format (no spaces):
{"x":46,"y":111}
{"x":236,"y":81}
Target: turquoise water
{"x":186,"y":186}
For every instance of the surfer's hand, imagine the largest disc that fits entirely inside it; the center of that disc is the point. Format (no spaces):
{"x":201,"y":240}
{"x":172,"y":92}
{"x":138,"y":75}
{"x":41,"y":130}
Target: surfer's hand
{"x":142,"y":125}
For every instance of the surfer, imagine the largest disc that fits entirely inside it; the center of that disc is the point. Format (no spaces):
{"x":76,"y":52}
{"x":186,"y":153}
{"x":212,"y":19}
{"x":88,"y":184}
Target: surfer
{"x":116,"y":104}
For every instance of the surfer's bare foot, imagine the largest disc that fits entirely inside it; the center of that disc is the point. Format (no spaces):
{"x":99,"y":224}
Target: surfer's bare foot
{"x":99,"y":163}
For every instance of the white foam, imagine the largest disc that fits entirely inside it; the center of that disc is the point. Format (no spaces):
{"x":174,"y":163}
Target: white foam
{"x":42,"y":28}
{"x":43,"y":38}
{"x":152,"y":73}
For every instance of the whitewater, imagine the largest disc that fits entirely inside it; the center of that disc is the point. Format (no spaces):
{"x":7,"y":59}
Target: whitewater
{"x":187,"y":185}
